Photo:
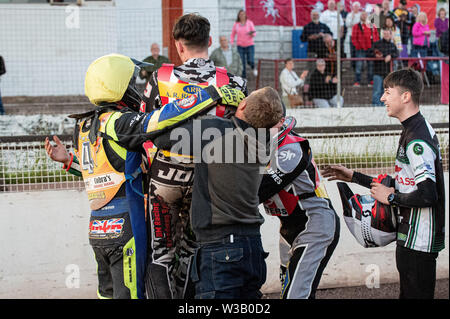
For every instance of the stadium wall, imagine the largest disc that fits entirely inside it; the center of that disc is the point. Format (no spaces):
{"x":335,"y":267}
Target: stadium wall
{"x":46,"y":53}
{"x":46,"y":254}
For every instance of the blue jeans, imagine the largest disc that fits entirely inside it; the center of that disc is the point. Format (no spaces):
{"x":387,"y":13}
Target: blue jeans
{"x":359,"y":66}
{"x":229,"y":270}
{"x":423,"y":50}
{"x":247,"y":56}
{"x":377,"y":90}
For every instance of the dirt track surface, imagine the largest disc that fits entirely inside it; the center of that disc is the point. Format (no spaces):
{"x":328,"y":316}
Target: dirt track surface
{"x":386,"y":291}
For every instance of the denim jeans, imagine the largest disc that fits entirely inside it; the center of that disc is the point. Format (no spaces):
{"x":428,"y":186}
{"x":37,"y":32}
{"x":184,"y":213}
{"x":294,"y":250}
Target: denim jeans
{"x":359,"y":66}
{"x":416,"y":49}
{"x":247,"y":56}
{"x":377,"y":90}
{"x":229,"y":270}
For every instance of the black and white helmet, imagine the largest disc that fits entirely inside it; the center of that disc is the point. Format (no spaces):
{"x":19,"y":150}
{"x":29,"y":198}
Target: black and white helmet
{"x":372,"y":223}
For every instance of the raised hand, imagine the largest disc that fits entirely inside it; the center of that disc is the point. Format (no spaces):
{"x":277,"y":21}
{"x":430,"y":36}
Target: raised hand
{"x":57,"y":153}
{"x":337,"y":172}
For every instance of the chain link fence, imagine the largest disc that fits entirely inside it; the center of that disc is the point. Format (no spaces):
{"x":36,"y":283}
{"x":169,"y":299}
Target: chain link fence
{"x":25,"y":166}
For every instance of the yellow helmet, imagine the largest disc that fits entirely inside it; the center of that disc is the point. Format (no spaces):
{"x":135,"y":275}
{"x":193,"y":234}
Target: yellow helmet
{"x":112,"y":79}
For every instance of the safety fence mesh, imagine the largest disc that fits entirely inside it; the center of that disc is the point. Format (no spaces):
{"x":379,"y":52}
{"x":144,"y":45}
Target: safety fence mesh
{"x":25,"y":166}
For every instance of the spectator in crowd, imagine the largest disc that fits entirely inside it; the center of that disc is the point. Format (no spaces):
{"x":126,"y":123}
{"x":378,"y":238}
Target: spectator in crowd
{"x":396,"y":38}
{"x":156,"y":59}
{"x":415,"y":10}
{"x":343,"y":13}
{"x":353,"y":18}
{"x":2,"y":71}
{"x":385,"y":13}
{"x":330,"y":53}
{"x":421,"y":36}
{"x":364,"y":34}
{"x":244,"y":31}
{"x":386,"y":49}
{"x":313,"y":33}
{"x":227,"y":57}
{"x":401,"y":9}
{"x":330,"y":18}
{"x":389,"y":23}
{"x":322,"y":88}
{"x":441,"y":23}
{"x":289,"y":81}
{"x":405,"y":25}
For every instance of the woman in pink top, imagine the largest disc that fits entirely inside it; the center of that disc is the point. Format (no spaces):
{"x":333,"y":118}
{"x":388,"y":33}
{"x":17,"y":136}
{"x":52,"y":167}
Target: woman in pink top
{"x":244,"y":29}
{"x":421,"y":36}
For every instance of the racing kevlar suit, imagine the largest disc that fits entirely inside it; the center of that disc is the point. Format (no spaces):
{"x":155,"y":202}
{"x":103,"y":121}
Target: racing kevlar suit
{"x":171,"y":241}
{"x":292,"y":190}
{"x":114,"y":183}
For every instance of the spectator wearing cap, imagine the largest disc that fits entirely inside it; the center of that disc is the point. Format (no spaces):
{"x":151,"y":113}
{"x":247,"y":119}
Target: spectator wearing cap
{"x":421,"y":36}
{"x":387,"y":50}
{"x":322,"y":88}
{"x":401,"y":9}
{"x":364,"y":34}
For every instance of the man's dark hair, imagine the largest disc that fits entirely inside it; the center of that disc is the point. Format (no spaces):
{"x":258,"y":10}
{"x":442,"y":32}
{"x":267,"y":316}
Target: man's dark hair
{"x":193,"y":29}
{"x":406,"y":80}
{"x":287,"y":60}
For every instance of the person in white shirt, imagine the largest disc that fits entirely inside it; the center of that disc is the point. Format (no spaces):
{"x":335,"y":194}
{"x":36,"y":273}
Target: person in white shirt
{"x":330,"y":18}
{"x":289,"y":81}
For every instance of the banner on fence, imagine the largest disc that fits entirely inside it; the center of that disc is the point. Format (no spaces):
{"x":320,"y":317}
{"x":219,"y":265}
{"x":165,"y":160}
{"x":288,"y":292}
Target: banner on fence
{"x":281,"y":12}
{"x":270,"y":12}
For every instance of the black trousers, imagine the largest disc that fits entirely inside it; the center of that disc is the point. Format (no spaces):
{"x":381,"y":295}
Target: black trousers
{"x":417,"y":273}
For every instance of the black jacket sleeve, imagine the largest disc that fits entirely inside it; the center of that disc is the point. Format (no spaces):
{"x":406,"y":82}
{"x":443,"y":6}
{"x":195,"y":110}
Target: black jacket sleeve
{"x":362,"y":179}
{"x":424,"y":196}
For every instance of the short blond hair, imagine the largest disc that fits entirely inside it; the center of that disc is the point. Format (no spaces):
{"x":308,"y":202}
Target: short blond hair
{"x":424,"y":15}
{"x":264,"y":108}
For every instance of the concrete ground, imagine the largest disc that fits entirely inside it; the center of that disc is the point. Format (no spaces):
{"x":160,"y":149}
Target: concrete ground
{"x":386,"y":291}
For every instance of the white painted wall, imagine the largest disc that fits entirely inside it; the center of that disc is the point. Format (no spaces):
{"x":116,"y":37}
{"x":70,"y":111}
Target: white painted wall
{"x":43,"y":239}
{"x":47,"y":49}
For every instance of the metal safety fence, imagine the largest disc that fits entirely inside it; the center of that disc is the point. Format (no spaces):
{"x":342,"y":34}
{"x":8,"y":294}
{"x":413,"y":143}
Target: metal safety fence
{"x":431,"y":68}
{"x":25,"y":166}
